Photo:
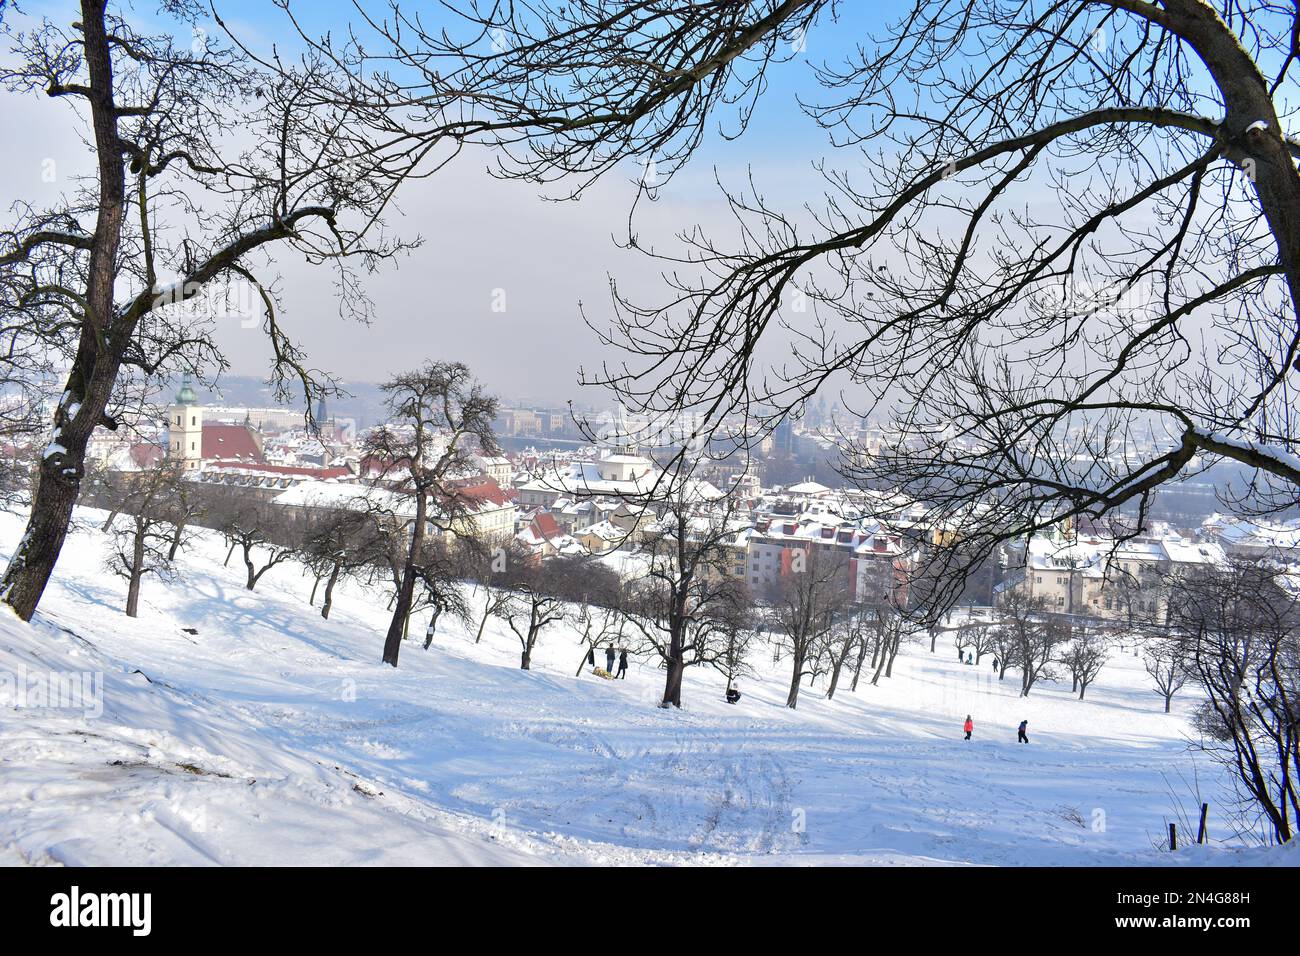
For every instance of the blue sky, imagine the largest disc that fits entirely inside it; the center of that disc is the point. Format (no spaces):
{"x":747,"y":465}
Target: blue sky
{"x":482,"y":234}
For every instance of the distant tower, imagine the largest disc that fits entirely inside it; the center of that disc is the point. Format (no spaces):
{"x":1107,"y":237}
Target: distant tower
{"x":185,"y":428}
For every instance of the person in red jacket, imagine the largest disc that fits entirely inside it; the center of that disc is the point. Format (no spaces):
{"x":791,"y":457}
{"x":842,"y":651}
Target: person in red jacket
{"x":968,"y":726}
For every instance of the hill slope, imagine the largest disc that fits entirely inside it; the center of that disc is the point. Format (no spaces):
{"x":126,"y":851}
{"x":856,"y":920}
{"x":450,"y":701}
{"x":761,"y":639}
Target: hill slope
{"x":271,"y":736}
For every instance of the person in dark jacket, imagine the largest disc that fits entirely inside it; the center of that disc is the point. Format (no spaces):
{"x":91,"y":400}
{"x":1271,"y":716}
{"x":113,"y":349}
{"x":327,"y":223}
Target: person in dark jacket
{"x":622,"y":664}
{"x":609,"y":658}
{"x":1023,"y":737}
{"x":995,"y":663}
{"x":733,"y":695}
{"x":591,"y":656}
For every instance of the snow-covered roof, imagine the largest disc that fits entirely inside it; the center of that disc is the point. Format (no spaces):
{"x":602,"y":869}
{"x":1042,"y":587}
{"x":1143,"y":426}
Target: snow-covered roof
{"x":808,"y":488}
{"x":603,"y":530}
{"x":329,"y":494}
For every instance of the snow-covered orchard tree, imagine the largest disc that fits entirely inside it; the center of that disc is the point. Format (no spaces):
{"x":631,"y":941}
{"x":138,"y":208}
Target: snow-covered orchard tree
{"x":1085,"y":656}
{"x":146,"y":527}
{"x":805,"y":608}
{"x":1240,"y":625}
{"x":684,"y":592}
{"x":539,"y":595}
{"x":1165,"y":658}
{"x":340,"y":543}
{"x":439,"y":419}
{"x":264,"y":534}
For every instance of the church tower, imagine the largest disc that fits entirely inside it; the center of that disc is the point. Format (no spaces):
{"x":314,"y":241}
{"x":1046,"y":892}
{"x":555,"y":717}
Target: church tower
{"x":185,"y":428}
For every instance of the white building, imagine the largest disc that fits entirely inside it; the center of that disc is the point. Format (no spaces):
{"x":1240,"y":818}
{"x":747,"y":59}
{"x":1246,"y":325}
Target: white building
{"x":185,"y":428}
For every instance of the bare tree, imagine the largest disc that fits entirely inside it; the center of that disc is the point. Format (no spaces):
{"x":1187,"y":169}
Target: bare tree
{"x":487,"y":563}
{"x":1084,"y":658}
{"x":893,"y":629}
{"x":598,"y":611}
{"x":538,"y":598}
{"x":1003,"y":645}
{"x":1033,"y":636}
{"x":441,"y":570}
{"x":339,"y":543}
{"x":144,"y":533}
{"x":735,"y":623}
{"x":804,"y":608}
{"x":976,"y":635}
{"x":259,"y":532}
{"x":184,"y":508}
{"x":1242,"y":625}
{"x":1166,"y":661}
{"x":685,"y":579}
{"x":440,"y":418}
{"x":846,"y":637}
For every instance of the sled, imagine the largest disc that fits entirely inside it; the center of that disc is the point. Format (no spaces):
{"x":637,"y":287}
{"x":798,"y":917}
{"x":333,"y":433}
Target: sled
{"x":601,"y":672}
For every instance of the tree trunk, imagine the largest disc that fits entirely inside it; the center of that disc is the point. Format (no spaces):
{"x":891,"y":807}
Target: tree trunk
{"x":835,"y":679}
{"x":329,"y":592}
{"x":133,"y":595}
{"x":433,"y":626}
{"x":405,"y":594}
{"x":880,"y":666}
{"x":792,"y":698}
{"x":136,"y":572}
{"x":673,"y":681}
{"x":893,"y":653}
{"x":95,"y":367}
{"x":676,"y":655}
{"x":857,"y":668}
{"x":176,"y":541}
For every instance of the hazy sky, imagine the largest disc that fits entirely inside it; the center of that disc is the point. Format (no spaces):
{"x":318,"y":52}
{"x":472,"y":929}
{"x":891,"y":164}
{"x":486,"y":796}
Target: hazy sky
{"x":481,"y":235}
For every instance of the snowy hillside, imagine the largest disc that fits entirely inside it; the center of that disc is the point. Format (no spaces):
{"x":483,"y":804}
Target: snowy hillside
{"x":270,"y":736}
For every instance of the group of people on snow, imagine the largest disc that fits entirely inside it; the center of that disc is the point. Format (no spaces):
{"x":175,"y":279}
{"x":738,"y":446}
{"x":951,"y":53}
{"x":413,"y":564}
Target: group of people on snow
{"x":609,"y":661}
{"x":1022,"y":732}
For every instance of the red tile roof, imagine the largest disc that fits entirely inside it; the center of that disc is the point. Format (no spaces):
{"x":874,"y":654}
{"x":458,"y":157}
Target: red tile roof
{"x":480,"y":490}
{"x":545,"y":526}
{"x":230,"y":441}
{"x":146,"y":454}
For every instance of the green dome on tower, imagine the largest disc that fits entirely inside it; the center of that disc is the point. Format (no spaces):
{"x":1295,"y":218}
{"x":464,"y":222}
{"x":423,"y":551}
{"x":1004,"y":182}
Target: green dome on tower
{"x":186,"y":395}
